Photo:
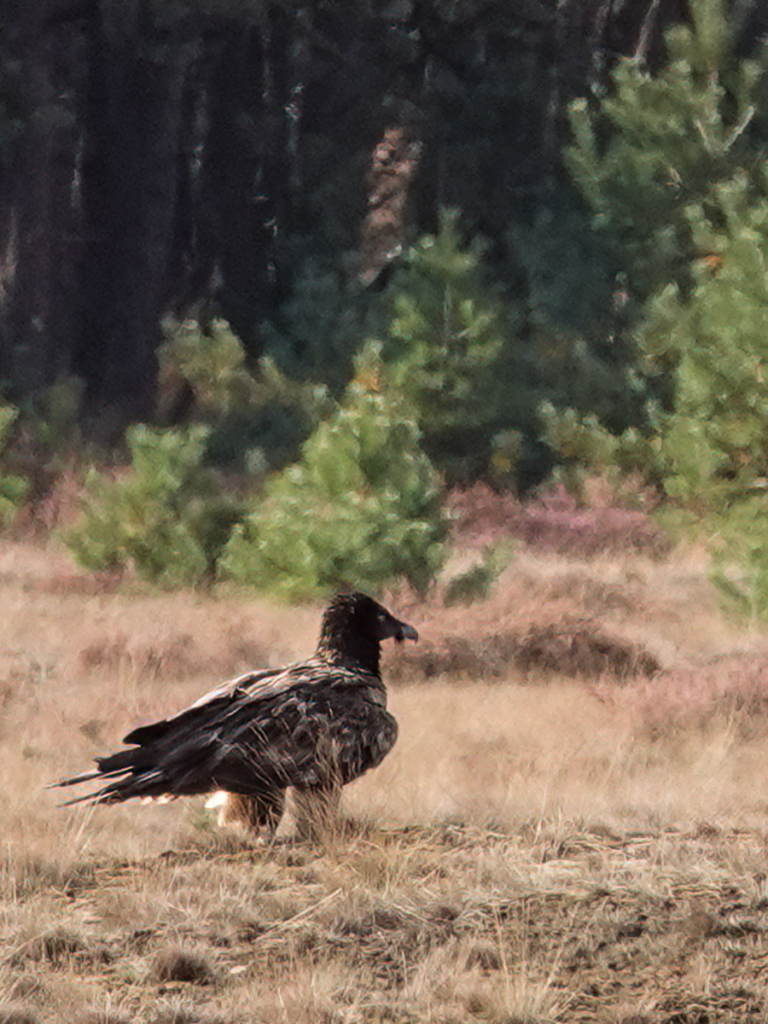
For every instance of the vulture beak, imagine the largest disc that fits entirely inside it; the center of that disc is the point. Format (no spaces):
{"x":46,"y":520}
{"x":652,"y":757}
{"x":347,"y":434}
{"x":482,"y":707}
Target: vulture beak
{"x":405,"y":632}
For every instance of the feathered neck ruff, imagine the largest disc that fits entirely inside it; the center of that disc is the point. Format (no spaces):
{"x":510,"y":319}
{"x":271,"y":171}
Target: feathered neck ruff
{"x":349,"y":635}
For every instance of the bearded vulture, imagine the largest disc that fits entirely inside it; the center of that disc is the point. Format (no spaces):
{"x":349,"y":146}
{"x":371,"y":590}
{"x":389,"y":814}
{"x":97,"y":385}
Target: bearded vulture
{"x":314,"y":726}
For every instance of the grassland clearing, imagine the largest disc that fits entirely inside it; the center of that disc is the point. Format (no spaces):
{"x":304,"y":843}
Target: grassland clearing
{"x":552,"y":839}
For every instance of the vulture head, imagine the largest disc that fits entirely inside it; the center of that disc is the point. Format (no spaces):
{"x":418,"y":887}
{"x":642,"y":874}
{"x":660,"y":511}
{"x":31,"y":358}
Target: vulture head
{"x":353,"y":627}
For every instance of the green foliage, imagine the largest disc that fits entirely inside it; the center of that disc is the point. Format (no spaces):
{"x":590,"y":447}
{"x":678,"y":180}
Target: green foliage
{"x":659,"y":141}
{"x":583,"y":445}
{"x":740,"y":561}
{"x":13,"y":488}
{"x":669,"y":166}
{"x":48,"y":438}
{"x":448,"y":351}
{"x":317,"y":331}
{"x":709,"y":446}
{"x":212,"y":362}
{"x":475,"y":584}
{"x":715,"y":439}
{"x":55,"y":412}
{"x":258,"y":417}
{"x":166,"y":517}
{"x":361,"y":508}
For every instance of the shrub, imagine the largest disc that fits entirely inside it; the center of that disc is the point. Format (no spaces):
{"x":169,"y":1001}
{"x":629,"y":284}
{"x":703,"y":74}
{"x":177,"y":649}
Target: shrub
{"x":476,"y":582}
{"x":659,"y":140}
{"x":13,"y":489}
{"x":258,"y":416}
{"x":583,"y":447}
{"x":715,"y":440}
{"x":362,"y":508}
{"x":740,"y":559}
{"x":211,"y":362}
{"x":166,"y":517}
{"x":47,"y":440}
{"x":449,"y":353}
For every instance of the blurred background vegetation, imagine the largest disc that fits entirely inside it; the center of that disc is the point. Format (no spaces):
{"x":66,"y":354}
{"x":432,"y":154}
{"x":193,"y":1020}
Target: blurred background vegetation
{"x":275,"y":276}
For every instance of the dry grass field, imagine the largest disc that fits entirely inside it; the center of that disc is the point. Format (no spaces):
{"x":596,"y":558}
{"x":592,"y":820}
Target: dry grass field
{"x":572,"y":827}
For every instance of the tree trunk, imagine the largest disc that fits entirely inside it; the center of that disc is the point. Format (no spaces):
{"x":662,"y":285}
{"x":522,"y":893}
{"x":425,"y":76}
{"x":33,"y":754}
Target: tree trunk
{"x":133,"y":124}
{"x":39,"y":227}
{"x":247,"y":174}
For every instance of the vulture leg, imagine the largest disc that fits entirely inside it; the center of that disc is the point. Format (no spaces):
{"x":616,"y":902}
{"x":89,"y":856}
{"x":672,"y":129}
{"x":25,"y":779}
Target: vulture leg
{"x":317,"y":810}
{"x":260,"y":813}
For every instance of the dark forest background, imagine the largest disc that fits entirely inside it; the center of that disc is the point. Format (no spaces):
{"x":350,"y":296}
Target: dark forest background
{"x":216,"y":157}
{"x":502,"y":239}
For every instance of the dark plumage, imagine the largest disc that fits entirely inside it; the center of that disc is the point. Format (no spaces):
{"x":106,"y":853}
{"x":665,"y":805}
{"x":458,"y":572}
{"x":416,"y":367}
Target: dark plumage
{"x":314,"y":725}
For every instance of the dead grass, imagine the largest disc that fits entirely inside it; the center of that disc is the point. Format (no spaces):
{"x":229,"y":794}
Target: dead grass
{"x":182,"y":965}
{"x":579,"y":837}
{"x":16,"y":1015}
{"x":547,"y":922}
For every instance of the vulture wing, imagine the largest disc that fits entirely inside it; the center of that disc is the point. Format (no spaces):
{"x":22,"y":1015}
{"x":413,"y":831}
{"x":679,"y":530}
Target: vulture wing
{"x":263,"y":732}
{"x":318,"y":723}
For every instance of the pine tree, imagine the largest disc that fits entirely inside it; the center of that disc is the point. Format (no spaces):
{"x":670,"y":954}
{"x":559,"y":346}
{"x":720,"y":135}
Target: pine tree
{"x":583,"y":447}
{"x":658,"y":141}
{"x":316,"y":332}
{"x":166,"y":518}
{"x":13,"y":488}
{"x":450,"y":349}
{"x":258,"y":415}
{"x":669,"y":164}
{"x":362,"y":507}
{"x":715,"y":439}
{"x":712,"y":344}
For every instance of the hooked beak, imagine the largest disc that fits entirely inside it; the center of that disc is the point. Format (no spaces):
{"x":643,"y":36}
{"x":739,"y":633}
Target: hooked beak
{"x":405,"y":632}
